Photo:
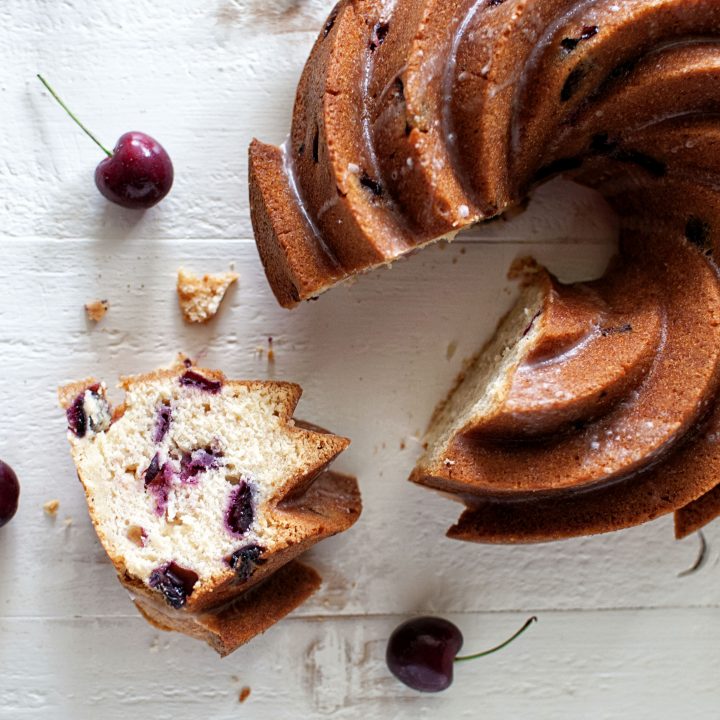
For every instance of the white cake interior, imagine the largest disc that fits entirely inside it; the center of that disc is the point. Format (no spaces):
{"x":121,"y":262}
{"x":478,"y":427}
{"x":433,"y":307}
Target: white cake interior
{"x":241,"y":423}
{"x":487,"y":379}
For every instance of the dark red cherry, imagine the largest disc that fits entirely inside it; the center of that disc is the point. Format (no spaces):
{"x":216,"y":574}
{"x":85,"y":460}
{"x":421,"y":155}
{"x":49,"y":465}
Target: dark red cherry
{"x":137,"y":174}
{"x":190,"y":378}
{"x":163,"y":418}
{"x":245,"y":560}
{"x":9,"y":493}
{"x":240,"y":513}
{"x":175,"y":582}
{"x":422,"y":652}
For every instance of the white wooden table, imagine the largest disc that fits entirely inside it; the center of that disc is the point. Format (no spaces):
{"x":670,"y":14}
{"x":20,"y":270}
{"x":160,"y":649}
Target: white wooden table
{"x":620,"y":635}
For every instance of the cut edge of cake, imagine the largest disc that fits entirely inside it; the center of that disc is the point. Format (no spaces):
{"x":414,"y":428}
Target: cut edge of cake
{"x":485,"y":382}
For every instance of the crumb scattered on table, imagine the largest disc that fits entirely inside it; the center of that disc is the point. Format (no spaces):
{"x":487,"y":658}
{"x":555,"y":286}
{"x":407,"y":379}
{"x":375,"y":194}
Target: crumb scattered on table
{"x":200,"y":297}
{"x":244,"y":694}
{"x":68,"y":522}
{"x":96,"y":309}
{"x":51,"y":507}
{"x":451,"y":348}
{"x":270,"y":350}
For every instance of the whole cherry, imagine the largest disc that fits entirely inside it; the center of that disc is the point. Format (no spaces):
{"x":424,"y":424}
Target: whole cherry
{"x":421,"y":652}
{"x":137,"y":174}
{"x":9,"y":493}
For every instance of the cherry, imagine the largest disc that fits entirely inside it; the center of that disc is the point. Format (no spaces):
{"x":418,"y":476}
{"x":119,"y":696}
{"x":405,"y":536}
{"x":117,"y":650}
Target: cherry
{"x":175,"y":582}
{"x":137,"y":174}
{"x":421,"y":652}
{"x":9,"y":493}
{"x":241,"y":509}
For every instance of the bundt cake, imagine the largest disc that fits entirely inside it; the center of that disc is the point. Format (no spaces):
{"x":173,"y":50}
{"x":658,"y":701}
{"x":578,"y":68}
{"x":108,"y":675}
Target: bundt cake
{"x":595,"y":406}
{"x":203,"y":491}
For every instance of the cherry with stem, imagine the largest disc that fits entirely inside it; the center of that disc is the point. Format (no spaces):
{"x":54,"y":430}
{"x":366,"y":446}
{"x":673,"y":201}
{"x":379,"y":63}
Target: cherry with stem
{"x":421,"y":652}
{"x":137,"y":174}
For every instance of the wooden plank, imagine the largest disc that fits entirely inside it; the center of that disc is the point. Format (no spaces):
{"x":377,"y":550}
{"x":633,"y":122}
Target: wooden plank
{"x":604,"y":665}
{"x":620,"y":636}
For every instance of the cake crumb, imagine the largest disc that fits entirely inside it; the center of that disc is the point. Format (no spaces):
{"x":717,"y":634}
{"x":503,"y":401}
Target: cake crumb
{"x":200,"y":297}
{"x":68,"y":521}
{"x":96,"y":309}
{"x":244,"y":694}
{"x":51,"y":507}
{"x":270,"y":352}
{"x":451,"y":348}
{"x":402,"y":445}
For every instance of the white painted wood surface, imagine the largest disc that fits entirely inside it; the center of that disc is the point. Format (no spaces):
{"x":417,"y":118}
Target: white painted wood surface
{"x":620,"y":635}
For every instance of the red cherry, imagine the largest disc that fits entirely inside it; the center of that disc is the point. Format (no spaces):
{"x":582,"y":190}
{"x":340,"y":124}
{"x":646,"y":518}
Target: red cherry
{"x":137,"y":174}
{"x":9,"y":493}
{"x":421,"y":652}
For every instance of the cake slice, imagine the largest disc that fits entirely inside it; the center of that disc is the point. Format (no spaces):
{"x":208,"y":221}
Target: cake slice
{"x":203,"y":491}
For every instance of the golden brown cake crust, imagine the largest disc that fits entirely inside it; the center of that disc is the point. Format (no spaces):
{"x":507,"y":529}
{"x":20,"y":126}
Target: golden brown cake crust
{"x":251,"y":614}
{"x":296,"y":264}
{"x":695,"y":515}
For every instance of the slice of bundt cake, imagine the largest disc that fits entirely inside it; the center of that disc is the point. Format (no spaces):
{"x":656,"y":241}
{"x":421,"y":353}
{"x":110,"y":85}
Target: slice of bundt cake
{"x":202,"y":491}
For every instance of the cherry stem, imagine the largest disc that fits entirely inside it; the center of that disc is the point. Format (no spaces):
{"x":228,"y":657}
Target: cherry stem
{"x":527,"y":624}
{"x":72,"y":115}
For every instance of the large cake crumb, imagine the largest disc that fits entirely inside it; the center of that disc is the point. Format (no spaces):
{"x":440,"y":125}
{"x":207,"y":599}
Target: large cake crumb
{"x":51,"y":507}
{"x":200,"y":297}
